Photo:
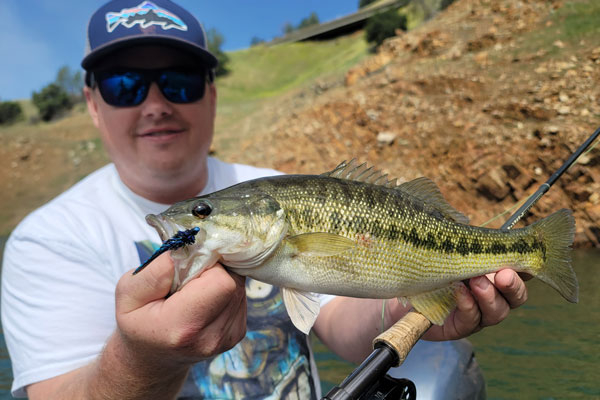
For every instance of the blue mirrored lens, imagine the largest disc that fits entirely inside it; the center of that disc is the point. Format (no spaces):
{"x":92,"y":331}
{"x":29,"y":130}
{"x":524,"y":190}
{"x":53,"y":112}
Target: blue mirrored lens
{"x":124,"y":89}
{"x":130,"y":87}
{"x":182,"y":86}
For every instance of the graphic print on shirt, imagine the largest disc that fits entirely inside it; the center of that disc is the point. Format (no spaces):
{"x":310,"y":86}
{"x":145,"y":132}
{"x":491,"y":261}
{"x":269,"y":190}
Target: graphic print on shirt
{"x":271,"y":362}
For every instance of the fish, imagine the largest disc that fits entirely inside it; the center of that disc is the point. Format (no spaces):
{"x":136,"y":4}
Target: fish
{"x":354,"y":231}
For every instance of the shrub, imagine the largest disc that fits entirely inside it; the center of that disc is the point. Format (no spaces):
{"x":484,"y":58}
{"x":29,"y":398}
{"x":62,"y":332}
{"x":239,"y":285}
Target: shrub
{"x":214,"y":42}
{"x":384,"y":25}
{"x":445,"y":4}
{"x":10,"y":111}
{"x":363,"y":3}
{"x":71,"y":82}
{"x":51,"y":101}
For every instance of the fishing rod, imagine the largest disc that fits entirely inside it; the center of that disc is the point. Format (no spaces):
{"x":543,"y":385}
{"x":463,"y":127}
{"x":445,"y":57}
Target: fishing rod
{"x":545,"y":186}
{"x":369,"y":380}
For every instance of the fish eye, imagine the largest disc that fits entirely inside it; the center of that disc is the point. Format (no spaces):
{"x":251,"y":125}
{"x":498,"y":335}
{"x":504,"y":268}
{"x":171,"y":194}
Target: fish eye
{"x":201,"y":210}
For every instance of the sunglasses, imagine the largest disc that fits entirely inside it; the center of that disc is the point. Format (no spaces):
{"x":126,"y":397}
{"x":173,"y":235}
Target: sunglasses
{"x":130,"y":87}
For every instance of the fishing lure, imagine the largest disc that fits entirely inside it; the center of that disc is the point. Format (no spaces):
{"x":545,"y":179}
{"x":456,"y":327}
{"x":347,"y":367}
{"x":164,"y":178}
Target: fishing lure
{"x":178,"y":240}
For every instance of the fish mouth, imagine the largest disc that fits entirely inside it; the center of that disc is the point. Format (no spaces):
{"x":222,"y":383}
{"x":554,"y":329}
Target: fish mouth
{"x":164,"y":228}
{"x":167,"y":228}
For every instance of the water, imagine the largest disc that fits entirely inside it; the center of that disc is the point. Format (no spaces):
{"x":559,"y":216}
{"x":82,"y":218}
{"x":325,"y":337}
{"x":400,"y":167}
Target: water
{"x":547,"y":349}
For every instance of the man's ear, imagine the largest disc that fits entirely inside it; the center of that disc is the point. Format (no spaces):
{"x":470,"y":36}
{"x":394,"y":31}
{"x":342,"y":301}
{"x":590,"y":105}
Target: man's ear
{"x":92,"y":105}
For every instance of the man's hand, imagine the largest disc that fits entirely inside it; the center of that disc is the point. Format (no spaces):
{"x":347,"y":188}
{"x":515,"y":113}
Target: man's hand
{"x":348,"y":325}
{"x":157,"y":338}
{"x":206,"y":317}
{"x":486,"y":302}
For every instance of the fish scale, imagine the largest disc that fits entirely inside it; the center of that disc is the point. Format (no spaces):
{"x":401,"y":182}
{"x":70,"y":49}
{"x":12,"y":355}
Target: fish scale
{"x":395,"y":255}
{"x":354,"y":232}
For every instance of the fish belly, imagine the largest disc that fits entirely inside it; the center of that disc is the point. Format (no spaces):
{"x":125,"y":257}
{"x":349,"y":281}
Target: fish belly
{"x":387,"y":270}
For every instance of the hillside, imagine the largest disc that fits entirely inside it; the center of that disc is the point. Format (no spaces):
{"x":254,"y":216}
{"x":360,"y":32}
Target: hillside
{"x":487,"y":99}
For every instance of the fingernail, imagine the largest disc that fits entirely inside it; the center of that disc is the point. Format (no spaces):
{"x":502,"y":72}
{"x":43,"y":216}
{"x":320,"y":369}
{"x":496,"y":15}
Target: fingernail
{"x":482,"y":283}
{"x":511,"y":283}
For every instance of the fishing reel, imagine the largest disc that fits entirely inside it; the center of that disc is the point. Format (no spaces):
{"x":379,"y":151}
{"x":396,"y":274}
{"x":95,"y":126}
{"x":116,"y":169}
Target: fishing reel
{"x":389,"y":388}
{"x":385,"y":388}
{"x":370,"y":380}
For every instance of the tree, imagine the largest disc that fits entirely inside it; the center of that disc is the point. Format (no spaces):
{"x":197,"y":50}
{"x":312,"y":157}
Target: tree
{"x":10,"y":111}
{"x":363,"y":3}
{"x":51,"y":101}
{"x":312,"y":19}
{"x":384,"y":25}
{"x":256,"y":41}
{"x":288,"y":28}
{"x":214,"y":42}
{"x":71,"y":82}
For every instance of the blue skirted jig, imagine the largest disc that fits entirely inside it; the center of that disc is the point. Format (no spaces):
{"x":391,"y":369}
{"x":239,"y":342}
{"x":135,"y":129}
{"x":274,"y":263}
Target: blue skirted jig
{"x":178,"y":240}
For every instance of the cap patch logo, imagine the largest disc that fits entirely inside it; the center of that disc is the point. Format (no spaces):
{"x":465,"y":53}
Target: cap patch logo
{"x":145,"y":14}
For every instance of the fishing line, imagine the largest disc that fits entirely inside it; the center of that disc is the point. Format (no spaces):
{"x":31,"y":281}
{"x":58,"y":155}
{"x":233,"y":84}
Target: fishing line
{"x":574,"y":159}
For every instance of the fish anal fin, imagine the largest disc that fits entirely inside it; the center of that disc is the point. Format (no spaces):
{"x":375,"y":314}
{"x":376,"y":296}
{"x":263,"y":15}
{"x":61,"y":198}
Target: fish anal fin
{"x":320,"y":244}
{"x":302,"y":307}
{"x":436,"y":305}
{"x":426,"y":190}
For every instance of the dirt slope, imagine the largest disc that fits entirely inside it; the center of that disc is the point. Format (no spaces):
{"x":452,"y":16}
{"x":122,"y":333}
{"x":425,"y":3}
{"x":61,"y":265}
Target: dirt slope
{"x":477,"y":99}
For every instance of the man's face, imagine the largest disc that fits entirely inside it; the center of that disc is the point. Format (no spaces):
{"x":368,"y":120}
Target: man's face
{"x":158,"y":140}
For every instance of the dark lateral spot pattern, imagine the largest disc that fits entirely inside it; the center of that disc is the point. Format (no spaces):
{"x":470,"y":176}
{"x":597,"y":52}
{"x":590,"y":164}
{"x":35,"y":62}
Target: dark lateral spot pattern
{"x":349,"y":208}
{"x":465,"y":245}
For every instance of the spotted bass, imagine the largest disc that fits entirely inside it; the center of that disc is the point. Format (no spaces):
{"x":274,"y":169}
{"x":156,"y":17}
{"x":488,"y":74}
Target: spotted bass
{"x":354,"y":232}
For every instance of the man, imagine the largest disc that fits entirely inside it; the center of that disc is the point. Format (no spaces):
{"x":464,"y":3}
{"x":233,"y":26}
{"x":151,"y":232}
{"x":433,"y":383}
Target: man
{"x":72,"y":335}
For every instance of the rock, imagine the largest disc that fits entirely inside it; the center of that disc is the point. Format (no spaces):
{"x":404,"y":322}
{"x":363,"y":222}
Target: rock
{"x":493,"y":184}
{"x":386,"y":138}
{"x":578,"y":192}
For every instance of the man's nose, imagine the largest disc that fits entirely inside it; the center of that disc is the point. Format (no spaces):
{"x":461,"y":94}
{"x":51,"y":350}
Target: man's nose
{"x":156,"y":105}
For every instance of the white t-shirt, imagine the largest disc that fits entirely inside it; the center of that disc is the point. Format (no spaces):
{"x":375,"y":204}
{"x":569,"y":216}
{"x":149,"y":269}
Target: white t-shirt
{"x":61,"y":266}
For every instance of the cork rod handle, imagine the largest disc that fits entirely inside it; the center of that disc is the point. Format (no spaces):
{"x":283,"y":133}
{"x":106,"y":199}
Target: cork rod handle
{"x":404,"y":334}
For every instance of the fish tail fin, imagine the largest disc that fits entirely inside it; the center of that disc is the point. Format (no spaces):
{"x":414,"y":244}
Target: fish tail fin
{"x":557,"y":232}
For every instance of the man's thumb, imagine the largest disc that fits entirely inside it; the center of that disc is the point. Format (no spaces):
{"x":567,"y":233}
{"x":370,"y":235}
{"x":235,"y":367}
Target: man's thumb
{"x":152,"y":283}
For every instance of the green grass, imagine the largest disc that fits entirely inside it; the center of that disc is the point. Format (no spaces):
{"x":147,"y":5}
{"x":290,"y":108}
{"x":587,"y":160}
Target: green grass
{"x":262,"y":72}
{"x":578,"y":20}
{"x":571,"y":24}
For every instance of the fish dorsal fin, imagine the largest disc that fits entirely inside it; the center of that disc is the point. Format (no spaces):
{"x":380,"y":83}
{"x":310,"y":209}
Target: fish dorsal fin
{"x":426,"y":190}
{"x":360,"y":173}
{"x":302,"y":307}
{"x":319,"y":244}
{"x":437,"y":304}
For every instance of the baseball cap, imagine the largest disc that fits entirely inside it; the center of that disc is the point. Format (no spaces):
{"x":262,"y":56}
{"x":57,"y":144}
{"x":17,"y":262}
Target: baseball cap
{"x":124,"y":23}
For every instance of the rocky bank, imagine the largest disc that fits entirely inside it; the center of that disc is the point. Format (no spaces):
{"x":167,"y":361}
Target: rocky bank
{"x":477,"y":99}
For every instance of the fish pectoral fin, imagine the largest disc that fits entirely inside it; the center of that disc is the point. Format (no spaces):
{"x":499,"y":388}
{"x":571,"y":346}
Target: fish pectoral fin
{"x":302,"y":307}
{"x":437,"y":304}
{"x":320,"y":244}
